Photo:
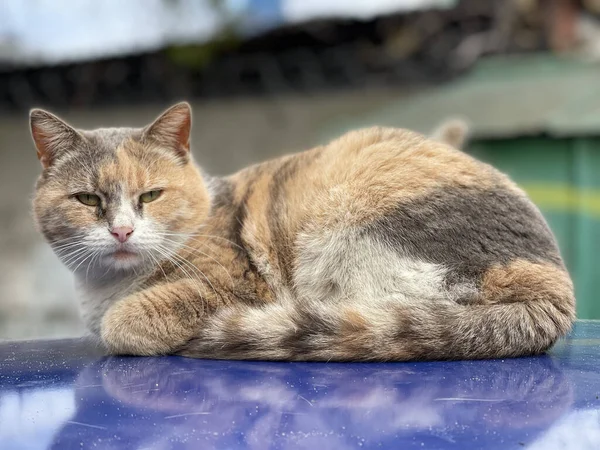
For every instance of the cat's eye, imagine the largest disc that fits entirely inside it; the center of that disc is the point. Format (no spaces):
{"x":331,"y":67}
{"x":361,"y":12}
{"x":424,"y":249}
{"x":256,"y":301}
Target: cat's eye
{"x":150,"y":196}
{"x":88,"y":199}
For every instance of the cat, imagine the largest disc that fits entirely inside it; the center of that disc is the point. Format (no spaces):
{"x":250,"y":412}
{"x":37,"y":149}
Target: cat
{"x":383,"y":245}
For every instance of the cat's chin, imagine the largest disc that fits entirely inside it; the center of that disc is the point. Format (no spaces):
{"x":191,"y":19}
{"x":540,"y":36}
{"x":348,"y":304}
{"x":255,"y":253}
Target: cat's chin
{"x":123,"y":260}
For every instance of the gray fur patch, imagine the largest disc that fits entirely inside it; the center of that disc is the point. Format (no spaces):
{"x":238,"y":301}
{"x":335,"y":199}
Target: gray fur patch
{"x":467,"y":230}
{"x":107,"y":140}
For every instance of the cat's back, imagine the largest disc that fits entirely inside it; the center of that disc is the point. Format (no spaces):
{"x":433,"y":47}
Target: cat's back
{"x":419,"y":197}
{"x":368,"y":173}
{"x":434,"y":201}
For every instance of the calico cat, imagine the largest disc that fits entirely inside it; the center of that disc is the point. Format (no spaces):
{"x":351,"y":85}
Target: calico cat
{"x":382,"y":245}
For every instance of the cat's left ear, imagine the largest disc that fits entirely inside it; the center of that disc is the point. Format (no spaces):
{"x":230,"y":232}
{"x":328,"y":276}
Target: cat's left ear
{"x":52,"y":136}
{"x":172,"y":129}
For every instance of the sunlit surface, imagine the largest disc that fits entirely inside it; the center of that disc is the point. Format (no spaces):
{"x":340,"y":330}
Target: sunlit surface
{"x":65,"y":395}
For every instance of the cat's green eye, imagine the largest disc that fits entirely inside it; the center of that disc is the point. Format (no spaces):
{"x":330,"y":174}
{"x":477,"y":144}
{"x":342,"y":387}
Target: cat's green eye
{"x":88,"y":199}
{"x":150,"y":196}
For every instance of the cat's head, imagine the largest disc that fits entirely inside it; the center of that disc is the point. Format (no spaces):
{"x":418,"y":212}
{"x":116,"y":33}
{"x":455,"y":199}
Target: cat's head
{"x":117,"y":198}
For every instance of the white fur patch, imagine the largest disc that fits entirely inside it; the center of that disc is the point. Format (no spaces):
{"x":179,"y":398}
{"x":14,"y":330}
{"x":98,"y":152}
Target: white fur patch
{"x":96,"y":297}
{"x":343,"y":265}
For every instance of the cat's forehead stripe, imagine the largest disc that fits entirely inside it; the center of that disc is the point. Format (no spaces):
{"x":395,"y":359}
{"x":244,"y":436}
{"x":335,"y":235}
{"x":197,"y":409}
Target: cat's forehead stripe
{"x":124,"y":171}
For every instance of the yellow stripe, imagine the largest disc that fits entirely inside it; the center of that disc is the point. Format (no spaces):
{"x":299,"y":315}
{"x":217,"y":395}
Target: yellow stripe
{"x":594,"y":342}
{"x":564,"y":198}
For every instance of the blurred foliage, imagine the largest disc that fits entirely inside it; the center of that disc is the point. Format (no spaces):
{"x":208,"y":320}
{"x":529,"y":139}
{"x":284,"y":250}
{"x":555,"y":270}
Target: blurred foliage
{"x":195,"y":57}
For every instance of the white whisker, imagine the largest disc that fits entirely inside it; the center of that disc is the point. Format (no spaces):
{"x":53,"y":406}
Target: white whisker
{"x":84,"y":260}
{"x":157,"y":262}
{"x":180,"y":267}
{"x":69,"y":238}
{"x":74,"y":255}
{"x":196,"y":270}
{"x":208,"y":236}
{"x":92,"y":261}
{"x":198,"y":251}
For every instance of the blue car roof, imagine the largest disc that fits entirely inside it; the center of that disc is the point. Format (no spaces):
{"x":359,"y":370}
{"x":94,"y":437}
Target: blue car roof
{"x":67,"y":395}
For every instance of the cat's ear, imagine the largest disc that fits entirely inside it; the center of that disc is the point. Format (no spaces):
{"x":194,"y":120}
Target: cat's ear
{"x":51,"y":136}
{"x":172,"y":128}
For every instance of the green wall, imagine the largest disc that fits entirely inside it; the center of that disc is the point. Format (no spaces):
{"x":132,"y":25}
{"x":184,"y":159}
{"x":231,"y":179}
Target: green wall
{"x":562,"y":176}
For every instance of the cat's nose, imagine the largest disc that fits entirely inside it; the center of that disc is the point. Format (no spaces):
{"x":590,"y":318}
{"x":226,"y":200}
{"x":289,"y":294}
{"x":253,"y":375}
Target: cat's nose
{"x":121,"y":233}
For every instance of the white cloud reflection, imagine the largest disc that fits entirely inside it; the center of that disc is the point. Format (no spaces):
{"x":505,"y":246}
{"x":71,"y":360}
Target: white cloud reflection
{"x":29,"y":419}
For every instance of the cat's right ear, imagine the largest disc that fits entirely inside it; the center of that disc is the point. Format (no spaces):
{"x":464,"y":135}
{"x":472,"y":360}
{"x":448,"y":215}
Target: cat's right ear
{"x":51,"y":136}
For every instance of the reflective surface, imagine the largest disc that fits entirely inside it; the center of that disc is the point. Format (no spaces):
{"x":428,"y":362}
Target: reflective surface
{"x":65,"y":395}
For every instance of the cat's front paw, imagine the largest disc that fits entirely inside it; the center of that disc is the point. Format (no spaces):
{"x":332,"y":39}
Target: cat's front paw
{"x":129,"y":329}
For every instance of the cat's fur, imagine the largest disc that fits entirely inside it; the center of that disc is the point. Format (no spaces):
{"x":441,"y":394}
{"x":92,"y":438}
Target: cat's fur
{"x":382,"y":245}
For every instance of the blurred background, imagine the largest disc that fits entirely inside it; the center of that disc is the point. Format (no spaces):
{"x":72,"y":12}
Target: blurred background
{"x":267,"y":77}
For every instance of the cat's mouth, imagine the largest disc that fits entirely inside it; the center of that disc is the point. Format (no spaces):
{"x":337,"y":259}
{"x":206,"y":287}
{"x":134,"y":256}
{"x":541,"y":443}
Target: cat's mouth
{"x":123,"y":254}
{"x":123,"y":258}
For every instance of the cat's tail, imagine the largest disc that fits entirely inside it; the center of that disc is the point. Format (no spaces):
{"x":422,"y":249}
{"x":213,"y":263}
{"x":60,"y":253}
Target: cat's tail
{"x":522,"y":311}
{"x":454,"y":132}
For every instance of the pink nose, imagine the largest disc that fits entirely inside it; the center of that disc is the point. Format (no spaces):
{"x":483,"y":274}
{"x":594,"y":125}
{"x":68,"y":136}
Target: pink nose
{"x":121,"y":233}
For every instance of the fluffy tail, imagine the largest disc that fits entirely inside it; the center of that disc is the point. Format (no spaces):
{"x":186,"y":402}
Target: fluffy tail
{"x":453,"y":132}
{"x":522,"y":311}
